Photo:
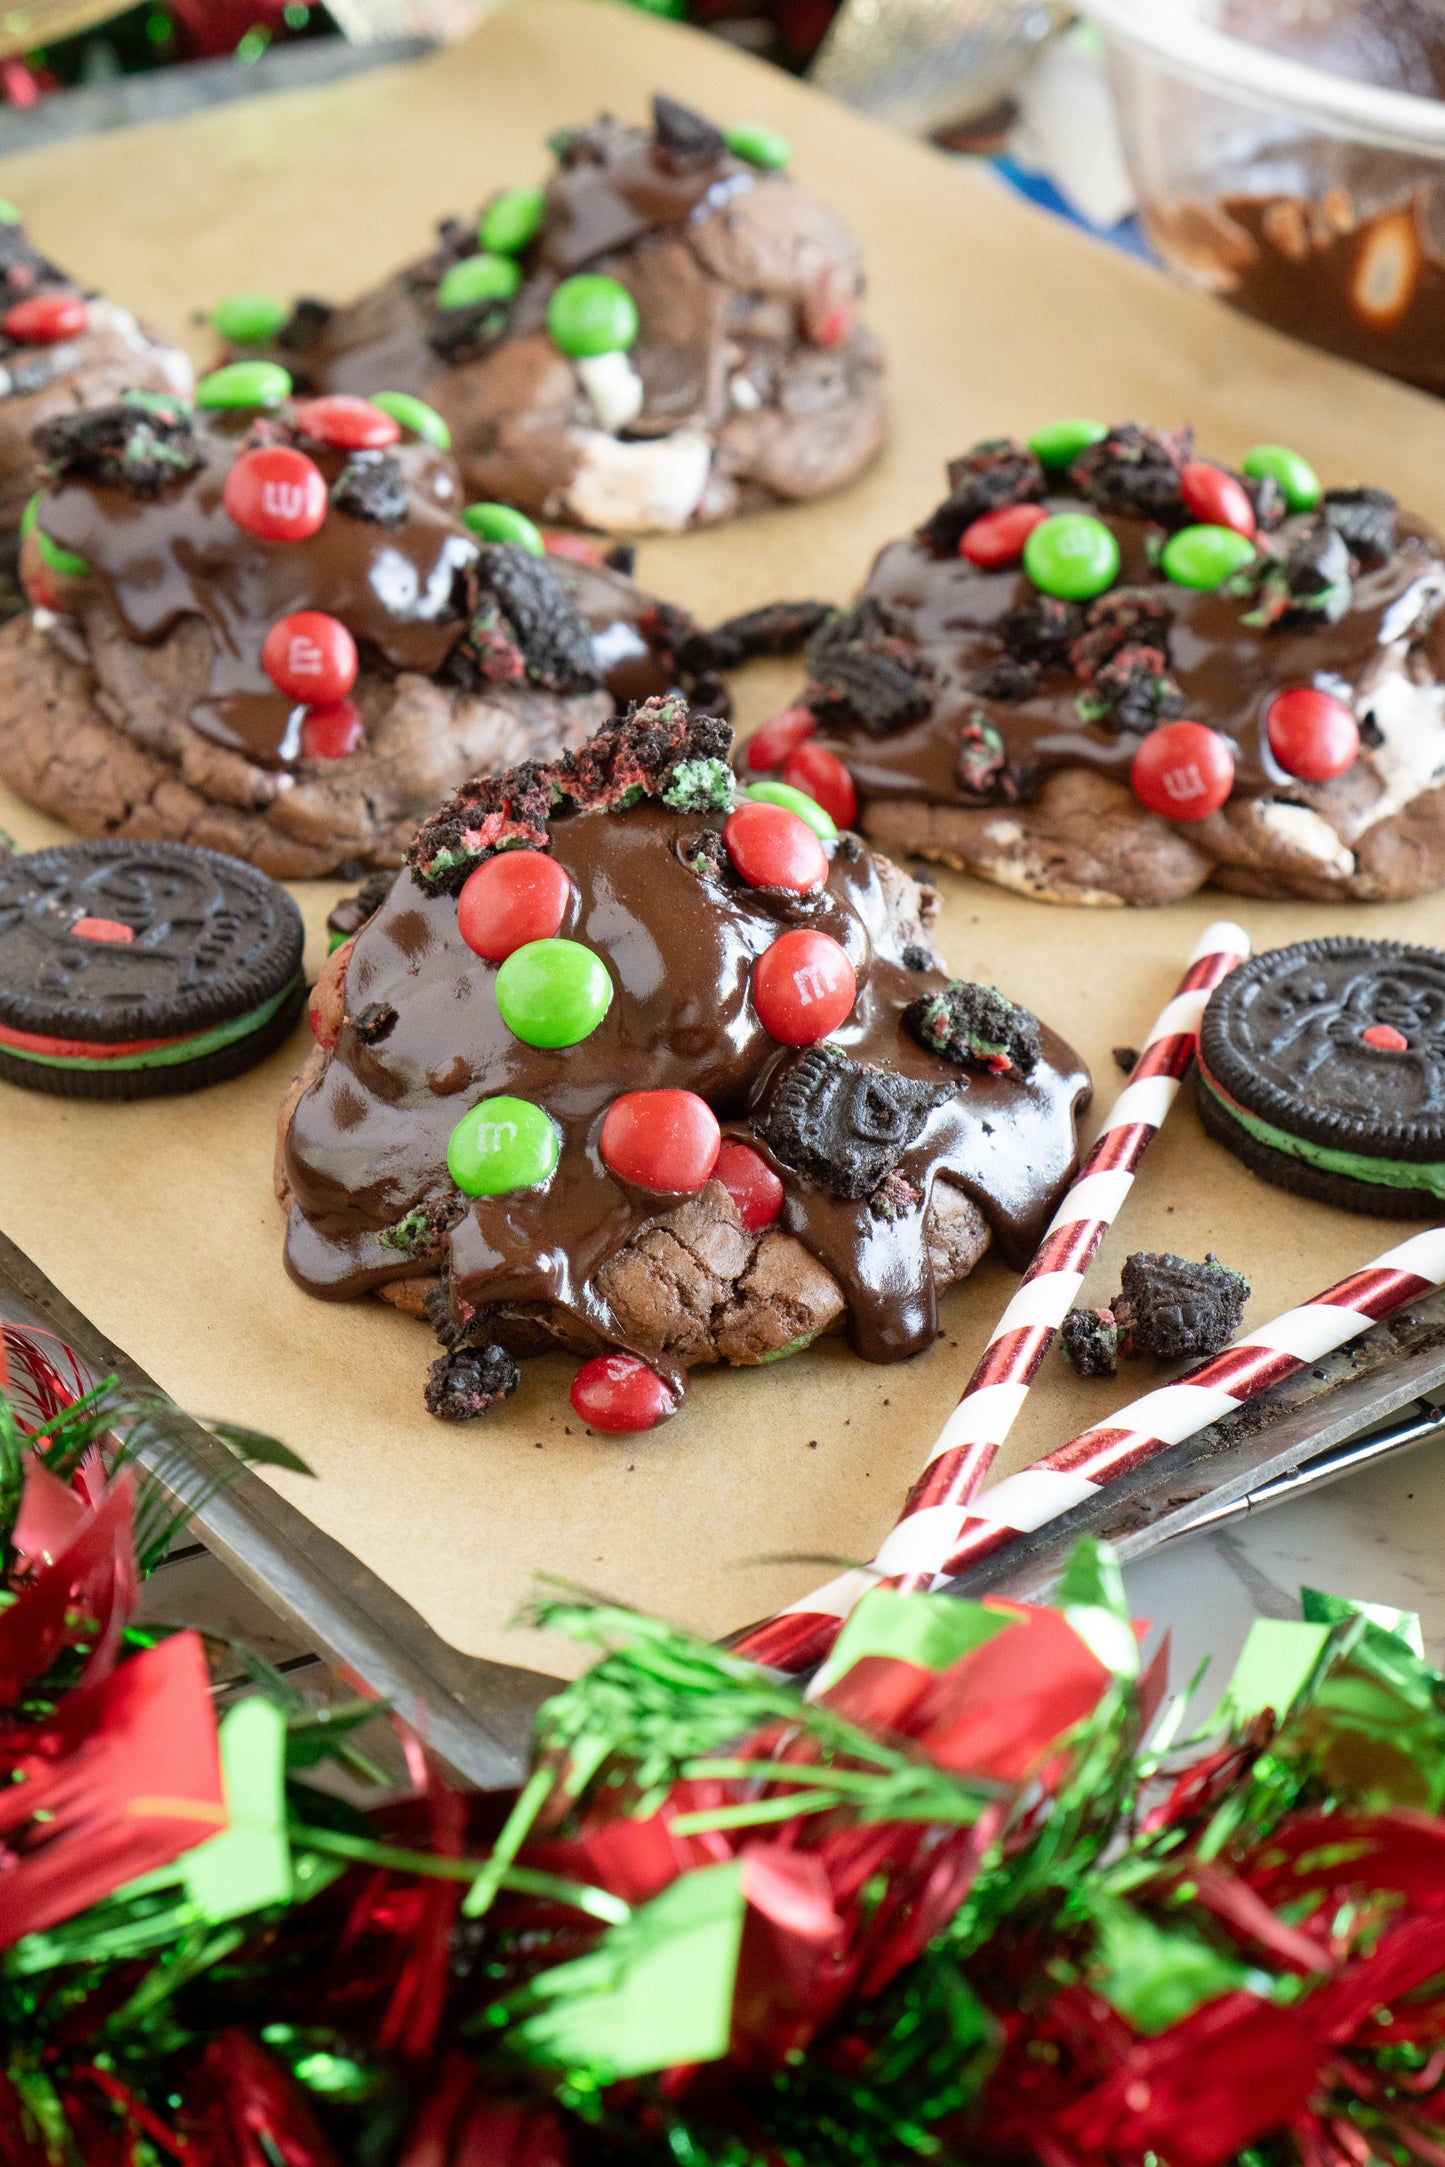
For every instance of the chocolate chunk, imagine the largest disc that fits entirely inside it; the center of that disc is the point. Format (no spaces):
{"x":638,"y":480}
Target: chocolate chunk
{"x":130,"y":445}
{"x":844,"y":1125}
{"x":862,"y":670}
{"x":1042,"y":630}
{"x":1125,"y":617}
{"x":304,"y":326}
{"x":684,"y":134}
{"x":1364,"y":519}
{"x":548,"y":629}
{"x":993,"y":474}
{"x":1090,"y":1339}
{"x":1132,"y":691}
{"x":1176,"y":1309}
{"x":778,"y":628}
{"x":1006,"y":678}
{"x":1135,"y":471}
{"x":1126,"y":1059}
{"x":372,"y":486}
{"x":976,"y":1027}
{"x":352,"y":912}
{"x":374,"y":1023}
{"x":465,"y":1383}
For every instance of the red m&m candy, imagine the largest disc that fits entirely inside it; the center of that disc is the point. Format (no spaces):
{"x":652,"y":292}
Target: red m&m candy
{"x":998,"y":537}
{"x":803,"y":987}
{"x":769,"y":747}
{"x":348,"y":423}
{"x":516,"y":897}
{"x":1215,"y":498}
{"x":750,"y":1182}
{"x":1311,"y":734}
{"x":617,"y":1392}
{"x":1183,"y":771}
{"x":277,"y":494}
{"x":330,"y":732}
{"x":664,"y":1140}
{"x":310,"y":656}
{"x":773,"y":848}
{"x":822,"y":774}
{"x":574,"y":546}
{"x":45,"y":319}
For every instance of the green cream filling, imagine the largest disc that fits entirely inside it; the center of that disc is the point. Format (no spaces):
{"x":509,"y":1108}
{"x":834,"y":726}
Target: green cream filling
{"x":1425,"y":1174}
{"x":186,"y":1049}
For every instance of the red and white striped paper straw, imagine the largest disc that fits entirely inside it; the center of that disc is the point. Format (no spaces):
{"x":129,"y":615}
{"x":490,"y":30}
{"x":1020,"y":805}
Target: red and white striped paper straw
{"x":1089,"y":1462}
{"x":969,"y":1441}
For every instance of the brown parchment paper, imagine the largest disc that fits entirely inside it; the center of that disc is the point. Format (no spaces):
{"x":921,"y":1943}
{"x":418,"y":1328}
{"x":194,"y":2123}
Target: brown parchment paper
{"x":157,"y":1218}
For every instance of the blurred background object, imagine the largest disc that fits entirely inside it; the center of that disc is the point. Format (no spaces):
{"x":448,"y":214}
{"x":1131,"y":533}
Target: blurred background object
{"x":930,"y":64}
{"x":1289,"y":155}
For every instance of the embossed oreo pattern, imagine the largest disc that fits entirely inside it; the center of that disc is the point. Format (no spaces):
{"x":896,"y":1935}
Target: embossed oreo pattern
{"x":1284,"y":1036}
{"x":210,"y":938}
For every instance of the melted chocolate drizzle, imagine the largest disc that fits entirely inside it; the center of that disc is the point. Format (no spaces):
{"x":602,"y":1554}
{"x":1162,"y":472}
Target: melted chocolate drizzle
{"x":368,"y":1142}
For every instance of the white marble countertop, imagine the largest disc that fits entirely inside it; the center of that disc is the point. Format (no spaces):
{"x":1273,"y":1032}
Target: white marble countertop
{"x":1378,"y":1536}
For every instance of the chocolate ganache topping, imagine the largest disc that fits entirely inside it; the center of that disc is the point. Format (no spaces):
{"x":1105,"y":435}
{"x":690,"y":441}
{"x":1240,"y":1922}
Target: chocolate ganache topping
{"x":683,"y":905}
{"x":966,"y":682}
{"x":142,"y":504}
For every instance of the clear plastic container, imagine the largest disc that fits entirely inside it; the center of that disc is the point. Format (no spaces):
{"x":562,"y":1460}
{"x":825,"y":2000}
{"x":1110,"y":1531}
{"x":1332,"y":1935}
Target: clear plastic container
{"x":1312,"y":202}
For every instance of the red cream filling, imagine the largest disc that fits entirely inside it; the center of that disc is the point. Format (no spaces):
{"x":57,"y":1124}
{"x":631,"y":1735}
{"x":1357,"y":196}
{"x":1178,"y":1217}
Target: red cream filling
{"x":82,"y":1049}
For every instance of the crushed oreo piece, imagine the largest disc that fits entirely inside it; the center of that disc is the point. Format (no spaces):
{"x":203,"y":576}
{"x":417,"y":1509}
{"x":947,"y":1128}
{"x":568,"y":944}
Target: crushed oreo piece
{"x":374,"y":1023}
{"x":860,"y":669}
{"x":640,"y":757}
{"x":22,"y":267}
{"x":372,"y":486}
{"x":352,"y":912}
{"x":488,"y":814}
{"x":304,"y":326}
{"x":1126,"y":1059}
{"x":1125,"y":617}
{"x":894,"y":1196}
{"x":1176,"y":1309}
{"x":1267,"y":499}
{"x":1305,"y":579}
{"x":844,"y":1125}
{"x":1006,"y":678}
{"x":423,"y":1230}
{"x":706,"y":853}
{"x":993,"y":474}
{"x":1135,"y":471}
{"x":687,"y":137}
{"x":1090,"y":1339}
{"x":546,"y":626}
{"x":1043,"y":629}
{"x":454,"y":334}
{"x":982,"y":764}
{"x":977,"y":1027}
{"x":1364,"y":519}
{"x":1131,"y":691}
{"x":1372,"y":737}
{"x":465,"y":1383}
{"x":621,"y":557}
{"x":125,"y":446}
{"x":700,"y":786}
{"x":917,"y":958}
{"x":778,"y":628}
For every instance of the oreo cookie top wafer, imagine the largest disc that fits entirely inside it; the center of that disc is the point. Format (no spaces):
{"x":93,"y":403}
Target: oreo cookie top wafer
{"x":1323,"y":1067}
{"x":129,"y":969}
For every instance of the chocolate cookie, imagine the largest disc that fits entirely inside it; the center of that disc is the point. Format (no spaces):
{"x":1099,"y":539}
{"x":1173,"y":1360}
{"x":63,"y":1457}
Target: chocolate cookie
{"x":264,"y":628}
{"x":693,"y":1115}
{"x":132,"y":970}
{"x":1322,"y":1066}
{"x":665,"y":334}
{"x":60,"y":349}
{"x":1106,"y":670}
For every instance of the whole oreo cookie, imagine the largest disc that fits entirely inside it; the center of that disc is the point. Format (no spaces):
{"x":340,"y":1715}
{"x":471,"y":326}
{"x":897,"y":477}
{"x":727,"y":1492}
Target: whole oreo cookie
{"x":131,"y":970}
{"x":1322,"y":1066}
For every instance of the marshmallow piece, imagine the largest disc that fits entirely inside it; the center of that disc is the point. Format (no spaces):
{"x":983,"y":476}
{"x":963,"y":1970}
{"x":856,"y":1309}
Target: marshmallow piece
{"x":613,"y":386}
{"x":745,"y":394}
{"x":653,"y":485}
{"x":1307,"y":832}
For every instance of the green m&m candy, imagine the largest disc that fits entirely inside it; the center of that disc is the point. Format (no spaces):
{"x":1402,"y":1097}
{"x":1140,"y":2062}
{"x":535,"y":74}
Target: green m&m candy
{"x":9,"y":216}
{"x":591,"y":314}
{"x":1299,"y":484}
{"x":822,"y":824}
{"x":1205,"y":556}
{"x":423,"y":421}
{"x":1072,"y":556}
{"x":244,"y":383}
{"x":1060,"y":443}
{"x":511,"y":220}
{"x":250,"y":319}
{"x":64,"y":561}
{"x":502,"y":1144}
{"x":478,"y":278}
{"x":553,"y":993}
{"x":759,"y":145}
{"x":500,"y":523}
